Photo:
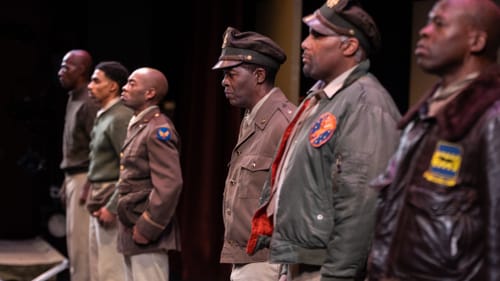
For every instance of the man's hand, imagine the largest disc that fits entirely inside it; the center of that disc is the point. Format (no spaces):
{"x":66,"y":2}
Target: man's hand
{"x":283,"y":272}
{"x":138,"y":238}
{"x":85,"y":193}
{"x":105,"y":217}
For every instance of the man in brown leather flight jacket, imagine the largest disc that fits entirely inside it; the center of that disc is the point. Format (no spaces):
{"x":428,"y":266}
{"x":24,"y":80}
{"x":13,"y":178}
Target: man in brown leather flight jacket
{"x":438,"y":217}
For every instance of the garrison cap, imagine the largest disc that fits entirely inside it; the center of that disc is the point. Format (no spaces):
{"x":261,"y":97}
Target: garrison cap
{"x":249,"y":47}
{"x":346,"y":17}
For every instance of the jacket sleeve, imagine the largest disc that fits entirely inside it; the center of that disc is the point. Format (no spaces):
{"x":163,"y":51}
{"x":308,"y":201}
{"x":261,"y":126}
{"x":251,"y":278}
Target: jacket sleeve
{"x":166,"y":177}
{"x":117,"y":134}
{"x":389,"y":203}
{"x":492,"y":167}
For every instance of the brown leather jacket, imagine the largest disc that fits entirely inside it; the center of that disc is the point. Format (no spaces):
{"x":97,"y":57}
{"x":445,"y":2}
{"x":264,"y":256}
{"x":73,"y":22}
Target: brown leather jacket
{"x":439,"y":205}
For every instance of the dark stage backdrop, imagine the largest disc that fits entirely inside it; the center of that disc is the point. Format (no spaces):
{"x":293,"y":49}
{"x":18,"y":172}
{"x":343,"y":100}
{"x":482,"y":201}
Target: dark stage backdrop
{"x":184,"y":43}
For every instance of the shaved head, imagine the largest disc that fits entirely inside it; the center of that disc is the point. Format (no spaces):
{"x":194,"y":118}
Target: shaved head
{"x":154,"y":79}
{"x":82,"y":58}
{"x":483,"y":15}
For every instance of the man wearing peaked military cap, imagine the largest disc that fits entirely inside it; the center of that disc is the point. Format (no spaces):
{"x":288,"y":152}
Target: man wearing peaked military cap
{"x":249,"y":62}
{"x":346,"y":18}
{"x":318,"y":210}
{"x":250,"y":47}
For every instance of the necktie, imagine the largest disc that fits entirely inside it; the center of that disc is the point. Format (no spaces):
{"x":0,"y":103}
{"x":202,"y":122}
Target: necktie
{"x":244,"y":126}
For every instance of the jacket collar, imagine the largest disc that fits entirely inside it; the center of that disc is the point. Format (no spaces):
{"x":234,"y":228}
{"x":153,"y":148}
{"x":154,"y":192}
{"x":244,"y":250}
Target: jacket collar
{"x":265,"y":112}
{"x":140,"y":124}
{"x":341,"y":82}
{"x":457,"y":117}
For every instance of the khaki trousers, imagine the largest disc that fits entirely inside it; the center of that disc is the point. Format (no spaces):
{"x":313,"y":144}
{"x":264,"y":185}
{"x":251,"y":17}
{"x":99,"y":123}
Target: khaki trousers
{"x":303,"y":272}
{"x":147,"y":267}
{"x":257,"y":271}
{"x":104,"y":254}
{"x":77,"y":228}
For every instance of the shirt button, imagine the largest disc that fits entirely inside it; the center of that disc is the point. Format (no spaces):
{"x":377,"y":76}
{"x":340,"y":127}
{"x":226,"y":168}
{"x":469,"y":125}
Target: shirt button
{"x":319,"y":217}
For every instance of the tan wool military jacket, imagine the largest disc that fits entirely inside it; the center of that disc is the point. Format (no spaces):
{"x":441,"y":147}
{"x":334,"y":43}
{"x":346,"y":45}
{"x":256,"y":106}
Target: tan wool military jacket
{"x":250,"y":163}
{"x":150,"y":184}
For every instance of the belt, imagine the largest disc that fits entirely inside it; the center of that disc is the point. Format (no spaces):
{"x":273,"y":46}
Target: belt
{"x":76,"y":170}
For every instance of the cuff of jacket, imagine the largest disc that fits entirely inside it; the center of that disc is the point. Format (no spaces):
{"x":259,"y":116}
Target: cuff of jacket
{"x":150,"y":229}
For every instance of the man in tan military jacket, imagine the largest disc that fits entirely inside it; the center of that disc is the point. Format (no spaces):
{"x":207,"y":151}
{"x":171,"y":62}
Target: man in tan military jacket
{"x":250,"y":62}
{"x":150,"y":180}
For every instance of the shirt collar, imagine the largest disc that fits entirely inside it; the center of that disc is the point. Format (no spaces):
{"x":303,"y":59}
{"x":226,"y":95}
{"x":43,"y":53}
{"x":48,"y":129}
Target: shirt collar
{"x":336,"y":84}
{"x":108,"y":106}
{"x":250,"y":115}
{"x":139,"y":116}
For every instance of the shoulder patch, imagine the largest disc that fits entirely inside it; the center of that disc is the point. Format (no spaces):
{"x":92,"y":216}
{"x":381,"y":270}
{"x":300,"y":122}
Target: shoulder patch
{"x":445,"y":164}
{"x":322,"y":129}
{"x":164,"y":134}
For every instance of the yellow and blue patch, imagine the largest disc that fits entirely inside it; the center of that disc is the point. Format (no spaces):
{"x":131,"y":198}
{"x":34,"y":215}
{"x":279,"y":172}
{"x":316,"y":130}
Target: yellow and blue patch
{"x":445,"y":164}
{"x":164,"y":134}
{"x":322,"y":129}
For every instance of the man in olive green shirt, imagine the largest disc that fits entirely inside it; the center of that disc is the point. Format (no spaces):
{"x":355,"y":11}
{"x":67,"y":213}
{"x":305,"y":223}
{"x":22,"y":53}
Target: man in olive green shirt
{"x":108,"y":134}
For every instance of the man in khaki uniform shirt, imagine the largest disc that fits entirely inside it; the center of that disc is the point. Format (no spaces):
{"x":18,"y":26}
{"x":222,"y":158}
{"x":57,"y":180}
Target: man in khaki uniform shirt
{"x":250,"y":62}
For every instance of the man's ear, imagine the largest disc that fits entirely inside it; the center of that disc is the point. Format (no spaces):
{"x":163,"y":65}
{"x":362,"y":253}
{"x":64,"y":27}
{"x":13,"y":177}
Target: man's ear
{"x":150,"y":94}
{"x":350,"y":46}
{"x":115,"y":87}
{"x":260,"y":73}
{"x":477,"y":41}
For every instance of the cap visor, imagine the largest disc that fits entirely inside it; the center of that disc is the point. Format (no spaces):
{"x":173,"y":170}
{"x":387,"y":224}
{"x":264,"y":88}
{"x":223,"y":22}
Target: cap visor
{"x":226,"y":63}
{"x":313,"y":22}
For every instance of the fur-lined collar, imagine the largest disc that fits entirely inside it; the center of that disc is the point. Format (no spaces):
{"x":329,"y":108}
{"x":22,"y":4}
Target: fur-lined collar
{"x":457,"y":117}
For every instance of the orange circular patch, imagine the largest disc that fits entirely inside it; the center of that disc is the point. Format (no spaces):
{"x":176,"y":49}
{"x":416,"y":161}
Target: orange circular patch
{"x":322,"y":129}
